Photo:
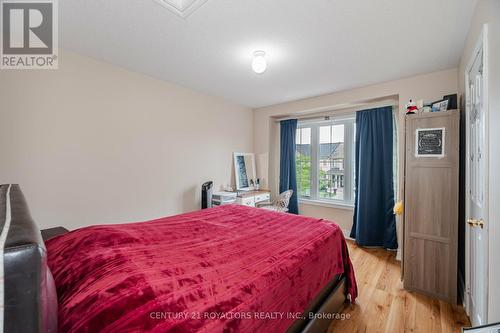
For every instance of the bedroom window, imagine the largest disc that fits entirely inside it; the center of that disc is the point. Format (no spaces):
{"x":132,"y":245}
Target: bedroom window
{"x":325,"y":160}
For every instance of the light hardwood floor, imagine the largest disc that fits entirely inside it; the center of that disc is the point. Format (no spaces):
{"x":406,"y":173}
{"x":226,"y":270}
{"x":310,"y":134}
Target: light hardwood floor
{"x":384,"y":306}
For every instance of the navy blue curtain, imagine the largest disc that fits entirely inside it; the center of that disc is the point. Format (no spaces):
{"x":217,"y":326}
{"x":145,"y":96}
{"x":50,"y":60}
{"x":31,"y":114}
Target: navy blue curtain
{"x":288,"y":173}
{"x":374,"y":222}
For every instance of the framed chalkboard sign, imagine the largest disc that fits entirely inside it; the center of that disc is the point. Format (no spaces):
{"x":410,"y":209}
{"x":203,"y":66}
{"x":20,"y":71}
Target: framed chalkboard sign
{"x":430,"y":142}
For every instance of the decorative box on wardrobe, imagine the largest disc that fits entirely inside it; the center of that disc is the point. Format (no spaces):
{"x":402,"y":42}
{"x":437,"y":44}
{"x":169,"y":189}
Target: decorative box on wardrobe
{"x":431,"y":204}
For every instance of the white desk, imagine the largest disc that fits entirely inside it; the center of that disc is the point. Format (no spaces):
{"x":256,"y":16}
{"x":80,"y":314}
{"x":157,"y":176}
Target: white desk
{"x":252,"y":198}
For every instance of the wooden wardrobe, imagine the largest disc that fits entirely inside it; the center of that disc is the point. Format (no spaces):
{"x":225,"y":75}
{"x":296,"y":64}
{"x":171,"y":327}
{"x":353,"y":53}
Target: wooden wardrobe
{"x":431,"y":204}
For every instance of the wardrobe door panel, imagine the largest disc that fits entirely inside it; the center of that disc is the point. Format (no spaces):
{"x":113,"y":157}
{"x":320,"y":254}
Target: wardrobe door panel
{"x":431,"y":204}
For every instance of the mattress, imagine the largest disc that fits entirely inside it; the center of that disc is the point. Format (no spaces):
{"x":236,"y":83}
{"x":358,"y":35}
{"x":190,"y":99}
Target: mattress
{"x":225,"y":269}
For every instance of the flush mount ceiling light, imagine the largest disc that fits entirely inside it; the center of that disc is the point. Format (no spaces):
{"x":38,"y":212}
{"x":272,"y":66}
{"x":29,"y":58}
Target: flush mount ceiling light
{"x":182,"y":8}
{"x":259,"y":63}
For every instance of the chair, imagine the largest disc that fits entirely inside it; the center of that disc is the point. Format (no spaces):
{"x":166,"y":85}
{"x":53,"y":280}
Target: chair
{"x":280,"y":204}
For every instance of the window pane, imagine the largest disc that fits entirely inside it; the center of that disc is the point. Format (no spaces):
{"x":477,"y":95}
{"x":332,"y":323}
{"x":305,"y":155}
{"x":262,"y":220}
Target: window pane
{"x":304,"y":135}
{"x":303,"y":161}
{"x":331,"y":162}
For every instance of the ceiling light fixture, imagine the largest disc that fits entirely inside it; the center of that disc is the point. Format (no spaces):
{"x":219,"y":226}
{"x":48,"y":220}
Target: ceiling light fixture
{"x":259,"y":63}
{"x":182,"y":8}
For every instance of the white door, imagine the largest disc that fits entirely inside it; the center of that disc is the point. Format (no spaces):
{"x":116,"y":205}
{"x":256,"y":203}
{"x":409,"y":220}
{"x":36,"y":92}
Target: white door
{"x":477,"y":227}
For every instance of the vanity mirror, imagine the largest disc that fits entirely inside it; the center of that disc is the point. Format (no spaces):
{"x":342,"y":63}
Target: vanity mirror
{"x":244,"y":169}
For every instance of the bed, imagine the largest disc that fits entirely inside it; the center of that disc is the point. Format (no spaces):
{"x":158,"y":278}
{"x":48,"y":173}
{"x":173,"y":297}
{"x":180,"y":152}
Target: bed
{"x":226,"y":269}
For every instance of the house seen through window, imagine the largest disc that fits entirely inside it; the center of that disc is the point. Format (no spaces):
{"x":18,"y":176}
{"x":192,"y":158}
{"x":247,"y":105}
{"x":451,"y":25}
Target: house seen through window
{"x":325,"y":160}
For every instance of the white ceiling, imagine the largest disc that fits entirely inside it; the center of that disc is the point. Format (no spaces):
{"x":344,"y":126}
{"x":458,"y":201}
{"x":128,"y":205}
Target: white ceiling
{"x":183,"y":8}
{"x":313,"y":46}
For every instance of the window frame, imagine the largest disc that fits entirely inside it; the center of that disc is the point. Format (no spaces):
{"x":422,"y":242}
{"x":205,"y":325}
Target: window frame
{"x":348,"y":121}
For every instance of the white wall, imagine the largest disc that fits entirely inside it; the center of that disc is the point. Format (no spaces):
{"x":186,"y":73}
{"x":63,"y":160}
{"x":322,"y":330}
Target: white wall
{"x":488,"y":11}
{"x":429,"y":87}
{"x":92,"y":143}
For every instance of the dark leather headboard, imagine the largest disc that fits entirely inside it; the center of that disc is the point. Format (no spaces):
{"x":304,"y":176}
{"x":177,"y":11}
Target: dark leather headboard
{"x":30,"y":300}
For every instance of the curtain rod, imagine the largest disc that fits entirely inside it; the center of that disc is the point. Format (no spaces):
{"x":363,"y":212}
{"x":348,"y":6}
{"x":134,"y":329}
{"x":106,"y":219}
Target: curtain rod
{"x":320,"y":115}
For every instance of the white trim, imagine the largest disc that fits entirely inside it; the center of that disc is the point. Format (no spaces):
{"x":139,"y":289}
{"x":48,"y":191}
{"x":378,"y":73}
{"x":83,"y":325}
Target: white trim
{"x":325,"y":203}
{"x":3,"y":238}
{"x":315,"y":158}
{"x":347,"y":234}
{"x":328,"y":119}
{"x":349,"y":168}
{"x":481,"y":44}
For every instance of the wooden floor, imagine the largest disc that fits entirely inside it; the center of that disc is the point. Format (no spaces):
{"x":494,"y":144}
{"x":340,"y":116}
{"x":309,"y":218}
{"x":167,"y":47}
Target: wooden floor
{"x":384,"y":306}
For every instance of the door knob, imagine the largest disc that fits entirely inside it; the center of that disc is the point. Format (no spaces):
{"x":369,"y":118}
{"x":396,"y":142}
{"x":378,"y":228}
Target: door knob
{"x":476,"y":223}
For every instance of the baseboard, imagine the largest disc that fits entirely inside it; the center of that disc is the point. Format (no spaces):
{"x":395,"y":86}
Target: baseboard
{"x":461,"y":288}
{"x":346,"y":234}
{"x":398,"y":254}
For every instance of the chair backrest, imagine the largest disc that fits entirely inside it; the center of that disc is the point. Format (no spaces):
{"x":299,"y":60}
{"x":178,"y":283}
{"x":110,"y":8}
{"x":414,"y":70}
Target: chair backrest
{"x":284,"y":199}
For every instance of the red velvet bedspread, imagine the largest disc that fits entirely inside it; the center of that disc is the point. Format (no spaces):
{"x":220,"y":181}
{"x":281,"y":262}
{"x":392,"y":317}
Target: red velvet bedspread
{"x":225,"y":269}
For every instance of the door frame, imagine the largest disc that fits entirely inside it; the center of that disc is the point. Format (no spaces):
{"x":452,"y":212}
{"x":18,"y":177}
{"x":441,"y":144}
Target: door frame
{"x":481,"y":44}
